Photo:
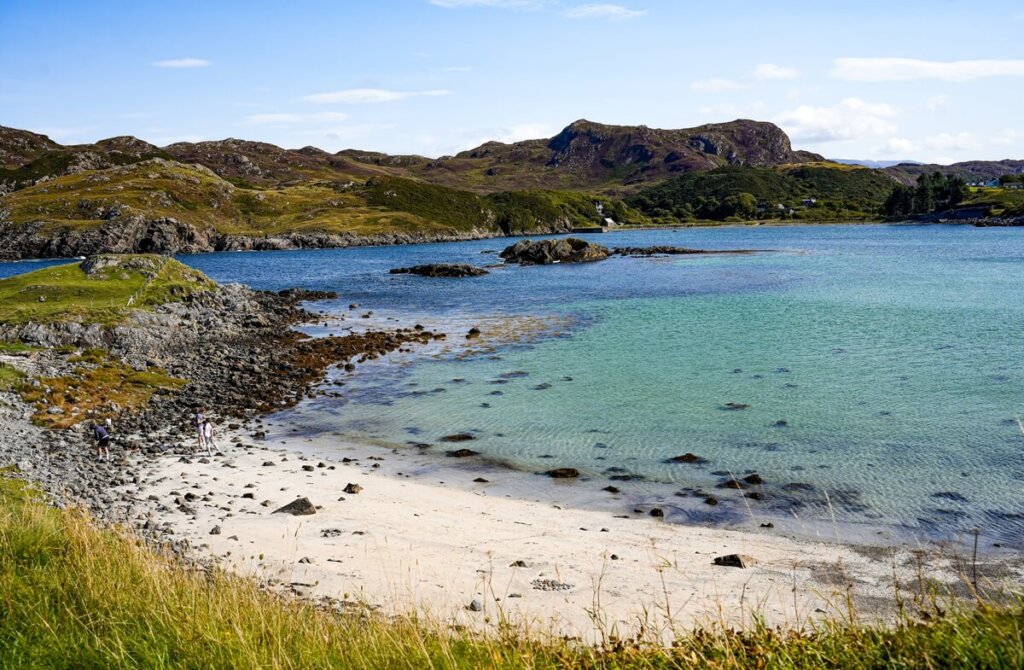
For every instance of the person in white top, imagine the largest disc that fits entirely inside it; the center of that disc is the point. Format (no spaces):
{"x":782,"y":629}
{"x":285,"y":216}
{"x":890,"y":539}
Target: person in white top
{"x":207,"y":437}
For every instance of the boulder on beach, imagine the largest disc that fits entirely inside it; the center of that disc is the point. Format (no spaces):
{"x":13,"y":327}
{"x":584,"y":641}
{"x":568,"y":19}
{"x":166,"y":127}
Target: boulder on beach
{"x":735,"y":561}
{"x":297,"y":507}
{"x":546,"y":252}
{"x":563,"y":473}
{"x":441,"y":270}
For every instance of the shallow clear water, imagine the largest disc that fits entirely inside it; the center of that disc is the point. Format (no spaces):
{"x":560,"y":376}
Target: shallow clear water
{"x":883,"y":367}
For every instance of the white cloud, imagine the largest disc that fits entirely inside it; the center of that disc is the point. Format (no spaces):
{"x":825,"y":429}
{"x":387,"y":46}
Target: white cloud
{"x":368,"y":95}
{"x":716,"y":85}
{"x":182,"y":63}
{"x":288,"y":119}
{"x":943,"y":147}
{"x":603,"y":11}
{"x":522,"y":131}
{"x":906,"y":69}
{"x":852,"y":118}
{"x":898,"y":146}
{"x":1008,"y":137}
{"x":952,"y":142}
{"x":770,"y":71}
{"x":936,"y":102}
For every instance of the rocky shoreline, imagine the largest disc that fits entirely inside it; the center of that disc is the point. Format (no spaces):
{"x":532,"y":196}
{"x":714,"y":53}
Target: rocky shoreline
{"x":169,"y":236}
{"x":227,"y":343}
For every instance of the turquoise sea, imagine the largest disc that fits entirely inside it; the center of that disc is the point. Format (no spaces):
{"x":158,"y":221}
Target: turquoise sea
{"x":881,"y":369}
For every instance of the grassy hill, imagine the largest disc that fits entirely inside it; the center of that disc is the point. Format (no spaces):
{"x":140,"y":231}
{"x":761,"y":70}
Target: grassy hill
{"x":198,"y":197}
{"x":75,"y":596}
{"x":838,"y":192}
{"x":98,"y":290}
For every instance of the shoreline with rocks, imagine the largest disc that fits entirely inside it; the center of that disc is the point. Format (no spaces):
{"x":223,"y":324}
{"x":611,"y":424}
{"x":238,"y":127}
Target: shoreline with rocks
{"x":362,"y":526}
{"x":401,"y":530}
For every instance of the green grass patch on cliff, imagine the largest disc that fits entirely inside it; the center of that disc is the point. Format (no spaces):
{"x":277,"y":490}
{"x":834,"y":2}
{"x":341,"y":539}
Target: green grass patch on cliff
{"x":68,"y":292}
{"x":997,"y":201}
{"x":9,"y":377}
{"x":76,"y":596}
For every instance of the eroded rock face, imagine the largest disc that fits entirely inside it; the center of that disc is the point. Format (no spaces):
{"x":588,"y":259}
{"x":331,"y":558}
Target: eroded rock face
{"x":441,"y":270}
{"x":546,"y":252}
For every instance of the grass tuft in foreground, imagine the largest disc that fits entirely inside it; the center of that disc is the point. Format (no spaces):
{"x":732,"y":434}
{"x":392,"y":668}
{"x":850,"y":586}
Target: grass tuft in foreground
{"x":76,"y":596}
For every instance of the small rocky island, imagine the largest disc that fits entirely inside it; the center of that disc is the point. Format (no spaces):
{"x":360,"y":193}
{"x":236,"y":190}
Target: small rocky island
{"x":441,"y":270}
{"x":546,"y":252}
{"x":575,"y":250}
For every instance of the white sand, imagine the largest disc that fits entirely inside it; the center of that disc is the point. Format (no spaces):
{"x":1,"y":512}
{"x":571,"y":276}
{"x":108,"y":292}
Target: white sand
{"x":409,"y":546}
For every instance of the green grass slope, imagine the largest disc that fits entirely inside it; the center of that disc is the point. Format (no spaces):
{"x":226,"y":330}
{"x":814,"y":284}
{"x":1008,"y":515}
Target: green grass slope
{"x":69,"y":292}
{"x":75,"y":596}
{"x":996,"y":201}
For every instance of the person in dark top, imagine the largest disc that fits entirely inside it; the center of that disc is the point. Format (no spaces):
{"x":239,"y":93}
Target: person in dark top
{"x":102,"y":437}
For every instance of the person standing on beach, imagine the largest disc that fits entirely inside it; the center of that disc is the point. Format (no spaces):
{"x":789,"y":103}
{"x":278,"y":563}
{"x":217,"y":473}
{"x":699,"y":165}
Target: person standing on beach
{"x":200,"y":419}
{"x":102,"y":437}
{"x":207,"y":437}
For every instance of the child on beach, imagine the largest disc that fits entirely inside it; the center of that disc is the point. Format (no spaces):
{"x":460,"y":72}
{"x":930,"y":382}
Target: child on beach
{"x":102,"y":437}
{"x":207,"y":437}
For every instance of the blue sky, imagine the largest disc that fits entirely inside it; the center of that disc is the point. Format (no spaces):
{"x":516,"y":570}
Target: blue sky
{"x":941,"y":80}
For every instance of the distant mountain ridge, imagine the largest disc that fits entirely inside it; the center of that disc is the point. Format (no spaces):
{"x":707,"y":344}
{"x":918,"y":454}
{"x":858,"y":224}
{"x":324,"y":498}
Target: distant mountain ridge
{"x":593,"y":156}
{"x":123,"y":194}
{"x":584,"y":156}
{"x":873,"y":164}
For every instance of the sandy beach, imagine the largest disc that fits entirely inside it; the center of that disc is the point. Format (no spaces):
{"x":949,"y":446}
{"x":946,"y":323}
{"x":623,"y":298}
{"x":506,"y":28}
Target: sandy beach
{"x":456,"y":553}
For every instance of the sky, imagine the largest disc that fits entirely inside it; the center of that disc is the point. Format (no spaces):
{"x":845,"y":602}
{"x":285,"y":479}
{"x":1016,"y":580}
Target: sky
{"x":935,"y":81}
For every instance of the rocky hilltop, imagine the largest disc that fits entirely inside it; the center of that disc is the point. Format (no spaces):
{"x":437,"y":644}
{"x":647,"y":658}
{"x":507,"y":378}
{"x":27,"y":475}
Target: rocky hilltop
{"x":613,"y":159}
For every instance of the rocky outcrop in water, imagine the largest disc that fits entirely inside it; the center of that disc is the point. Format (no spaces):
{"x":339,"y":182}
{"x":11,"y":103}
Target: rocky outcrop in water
{"x":441,"y":270}
{"x":546,"y":252}
{"x":668,"y":250}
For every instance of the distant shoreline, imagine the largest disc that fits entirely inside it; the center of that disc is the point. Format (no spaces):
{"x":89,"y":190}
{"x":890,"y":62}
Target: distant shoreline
{"x":376,"y":242}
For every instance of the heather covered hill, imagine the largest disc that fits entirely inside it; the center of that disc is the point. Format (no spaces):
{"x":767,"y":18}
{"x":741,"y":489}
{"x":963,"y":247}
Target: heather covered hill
{"x":812,"y":191}
{"x":18,"y":147}
{"x":30,"y":158}
{"x":164,"y":206}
